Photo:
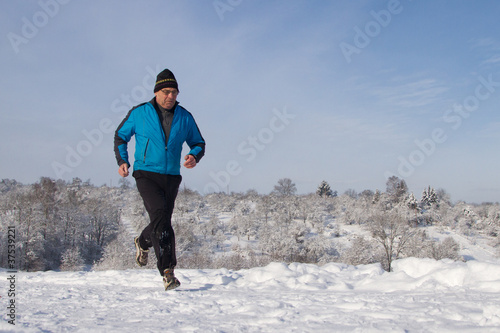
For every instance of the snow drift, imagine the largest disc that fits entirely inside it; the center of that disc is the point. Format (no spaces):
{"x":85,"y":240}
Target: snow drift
{"x":420,"y":295}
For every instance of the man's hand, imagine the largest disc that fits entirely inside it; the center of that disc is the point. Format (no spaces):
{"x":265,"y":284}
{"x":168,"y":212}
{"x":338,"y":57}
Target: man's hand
{"x":123,"y":170}
{"x":190,"y":161}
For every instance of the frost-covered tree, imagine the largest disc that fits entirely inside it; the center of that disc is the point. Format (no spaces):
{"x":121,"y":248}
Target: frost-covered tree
{"x":283,"y":243}
{"x":393,"y":233}
{"x":101,"y":228}
{"x":412,"y":202}
{"x":285,"y":187}
{"x":242,"y":225}
{"x":319,"y":249}
{"x":447,"y":248}
{"x":351,"y":193}
{"x":324,"y":189}
{"x":429,"y":197}
{"x":367,"y":194}
{"x":396,"y":188}
{"x":266,"y":206}
{"x":492,"y":221}
{"x":417,"y":246}
{"x":124,"y":183}
{"x":285,"y":210}
{"x":7,"y":185}
{"x":269,"y":241}
{"x":29,"y":233}
{"x":361,"y":252}
{"x":346,"y":210}
{"x":466,"y":219}
{"x":119,"y":254}
{"x":72,"y":260}
{"x":45,"y":193}
{"x":185,"y":239}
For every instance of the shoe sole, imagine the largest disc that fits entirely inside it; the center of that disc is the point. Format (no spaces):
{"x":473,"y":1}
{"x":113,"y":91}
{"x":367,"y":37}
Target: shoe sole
{"x":173,"y":284}
{"x":138,"y":252}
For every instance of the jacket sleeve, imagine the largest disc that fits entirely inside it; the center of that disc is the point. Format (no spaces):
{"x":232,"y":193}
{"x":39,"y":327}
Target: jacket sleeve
{"x":195,"y":141}
{"x":123,"y":134}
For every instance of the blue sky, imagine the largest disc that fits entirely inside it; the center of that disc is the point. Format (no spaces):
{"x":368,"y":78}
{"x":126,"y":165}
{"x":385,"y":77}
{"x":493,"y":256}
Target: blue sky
{"x":344,"y":91}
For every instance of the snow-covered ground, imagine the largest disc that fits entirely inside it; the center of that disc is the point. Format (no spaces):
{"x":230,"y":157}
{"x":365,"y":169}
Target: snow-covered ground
{"x":421,"y":295}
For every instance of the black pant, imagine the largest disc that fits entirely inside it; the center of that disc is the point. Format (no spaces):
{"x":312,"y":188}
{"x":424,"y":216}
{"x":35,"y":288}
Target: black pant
{"x":158,"y":193}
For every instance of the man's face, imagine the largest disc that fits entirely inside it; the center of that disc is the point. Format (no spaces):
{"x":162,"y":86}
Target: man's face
{"x":166,"y":97}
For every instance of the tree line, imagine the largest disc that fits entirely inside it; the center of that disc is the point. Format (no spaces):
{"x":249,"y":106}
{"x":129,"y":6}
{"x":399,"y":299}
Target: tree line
{"x":73,"y":225}
{"x":57,"y":222}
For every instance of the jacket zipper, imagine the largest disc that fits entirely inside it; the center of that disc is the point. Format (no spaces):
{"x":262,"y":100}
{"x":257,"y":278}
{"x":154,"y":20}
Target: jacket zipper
{"x":145,"y":151}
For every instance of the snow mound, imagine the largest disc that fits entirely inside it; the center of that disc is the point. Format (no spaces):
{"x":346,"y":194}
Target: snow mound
{"x":408,"y":274}
{"x":421,"y":295}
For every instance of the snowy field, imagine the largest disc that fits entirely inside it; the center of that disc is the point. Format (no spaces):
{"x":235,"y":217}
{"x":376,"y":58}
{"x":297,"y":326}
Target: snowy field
{"x":421,"y":295}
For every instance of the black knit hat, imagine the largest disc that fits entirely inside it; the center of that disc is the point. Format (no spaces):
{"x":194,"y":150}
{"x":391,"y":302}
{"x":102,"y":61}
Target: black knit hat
{"x":165,"y":79}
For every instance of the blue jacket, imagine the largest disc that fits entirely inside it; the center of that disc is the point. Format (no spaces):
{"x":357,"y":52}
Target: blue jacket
{"x":152,"y":153}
